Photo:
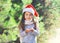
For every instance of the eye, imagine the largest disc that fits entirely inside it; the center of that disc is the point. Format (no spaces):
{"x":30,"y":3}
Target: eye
{"x":26,"y":14}
{"x":31,"y":14}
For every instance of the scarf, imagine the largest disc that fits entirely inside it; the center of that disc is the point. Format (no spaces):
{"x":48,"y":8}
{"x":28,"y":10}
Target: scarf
{"x":28,"y":22}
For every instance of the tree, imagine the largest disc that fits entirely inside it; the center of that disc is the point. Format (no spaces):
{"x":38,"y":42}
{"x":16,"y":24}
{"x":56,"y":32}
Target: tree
{"x":51,"y":22}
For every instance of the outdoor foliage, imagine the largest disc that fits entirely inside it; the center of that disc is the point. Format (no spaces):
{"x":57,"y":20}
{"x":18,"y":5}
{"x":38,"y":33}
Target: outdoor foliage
{"x":11,"y":12}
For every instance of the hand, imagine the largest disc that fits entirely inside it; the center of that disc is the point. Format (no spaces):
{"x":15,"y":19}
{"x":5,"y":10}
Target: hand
{"x":27,"y":30}
{"x":32,"y":30}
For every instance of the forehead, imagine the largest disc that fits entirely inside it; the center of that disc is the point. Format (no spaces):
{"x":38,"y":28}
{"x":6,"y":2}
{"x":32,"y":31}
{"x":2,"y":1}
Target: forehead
{"x":28,"y":13}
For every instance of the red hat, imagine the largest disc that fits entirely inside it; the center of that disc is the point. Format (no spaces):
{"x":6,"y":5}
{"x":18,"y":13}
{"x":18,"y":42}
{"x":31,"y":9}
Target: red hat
{"x":28,"y":10}
{"x":35,"y":12}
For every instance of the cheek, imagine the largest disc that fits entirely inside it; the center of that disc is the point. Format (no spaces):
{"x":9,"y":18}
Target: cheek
{"x":25,"y":17}
{"x":31,"y":17}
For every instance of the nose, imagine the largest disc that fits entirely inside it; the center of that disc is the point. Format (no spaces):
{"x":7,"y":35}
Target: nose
{"x":28,"y":16}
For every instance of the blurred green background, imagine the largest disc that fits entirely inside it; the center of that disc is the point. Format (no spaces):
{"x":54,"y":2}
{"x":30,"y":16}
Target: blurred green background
{"x":11,"y":12}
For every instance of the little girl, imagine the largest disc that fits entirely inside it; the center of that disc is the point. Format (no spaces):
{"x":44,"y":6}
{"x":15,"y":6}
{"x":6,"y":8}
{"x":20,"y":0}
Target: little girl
{"x":28,"y":27}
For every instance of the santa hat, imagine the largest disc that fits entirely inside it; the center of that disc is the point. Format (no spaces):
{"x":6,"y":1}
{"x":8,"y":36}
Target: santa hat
{"x":31,"y":9}
{"x":28,"y":10}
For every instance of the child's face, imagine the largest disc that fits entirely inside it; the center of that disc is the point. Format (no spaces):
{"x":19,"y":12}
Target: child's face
{"x":28,"y":16}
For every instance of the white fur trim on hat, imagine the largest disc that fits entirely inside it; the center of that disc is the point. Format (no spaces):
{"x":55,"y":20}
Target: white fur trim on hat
{"x":28,"y":10}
